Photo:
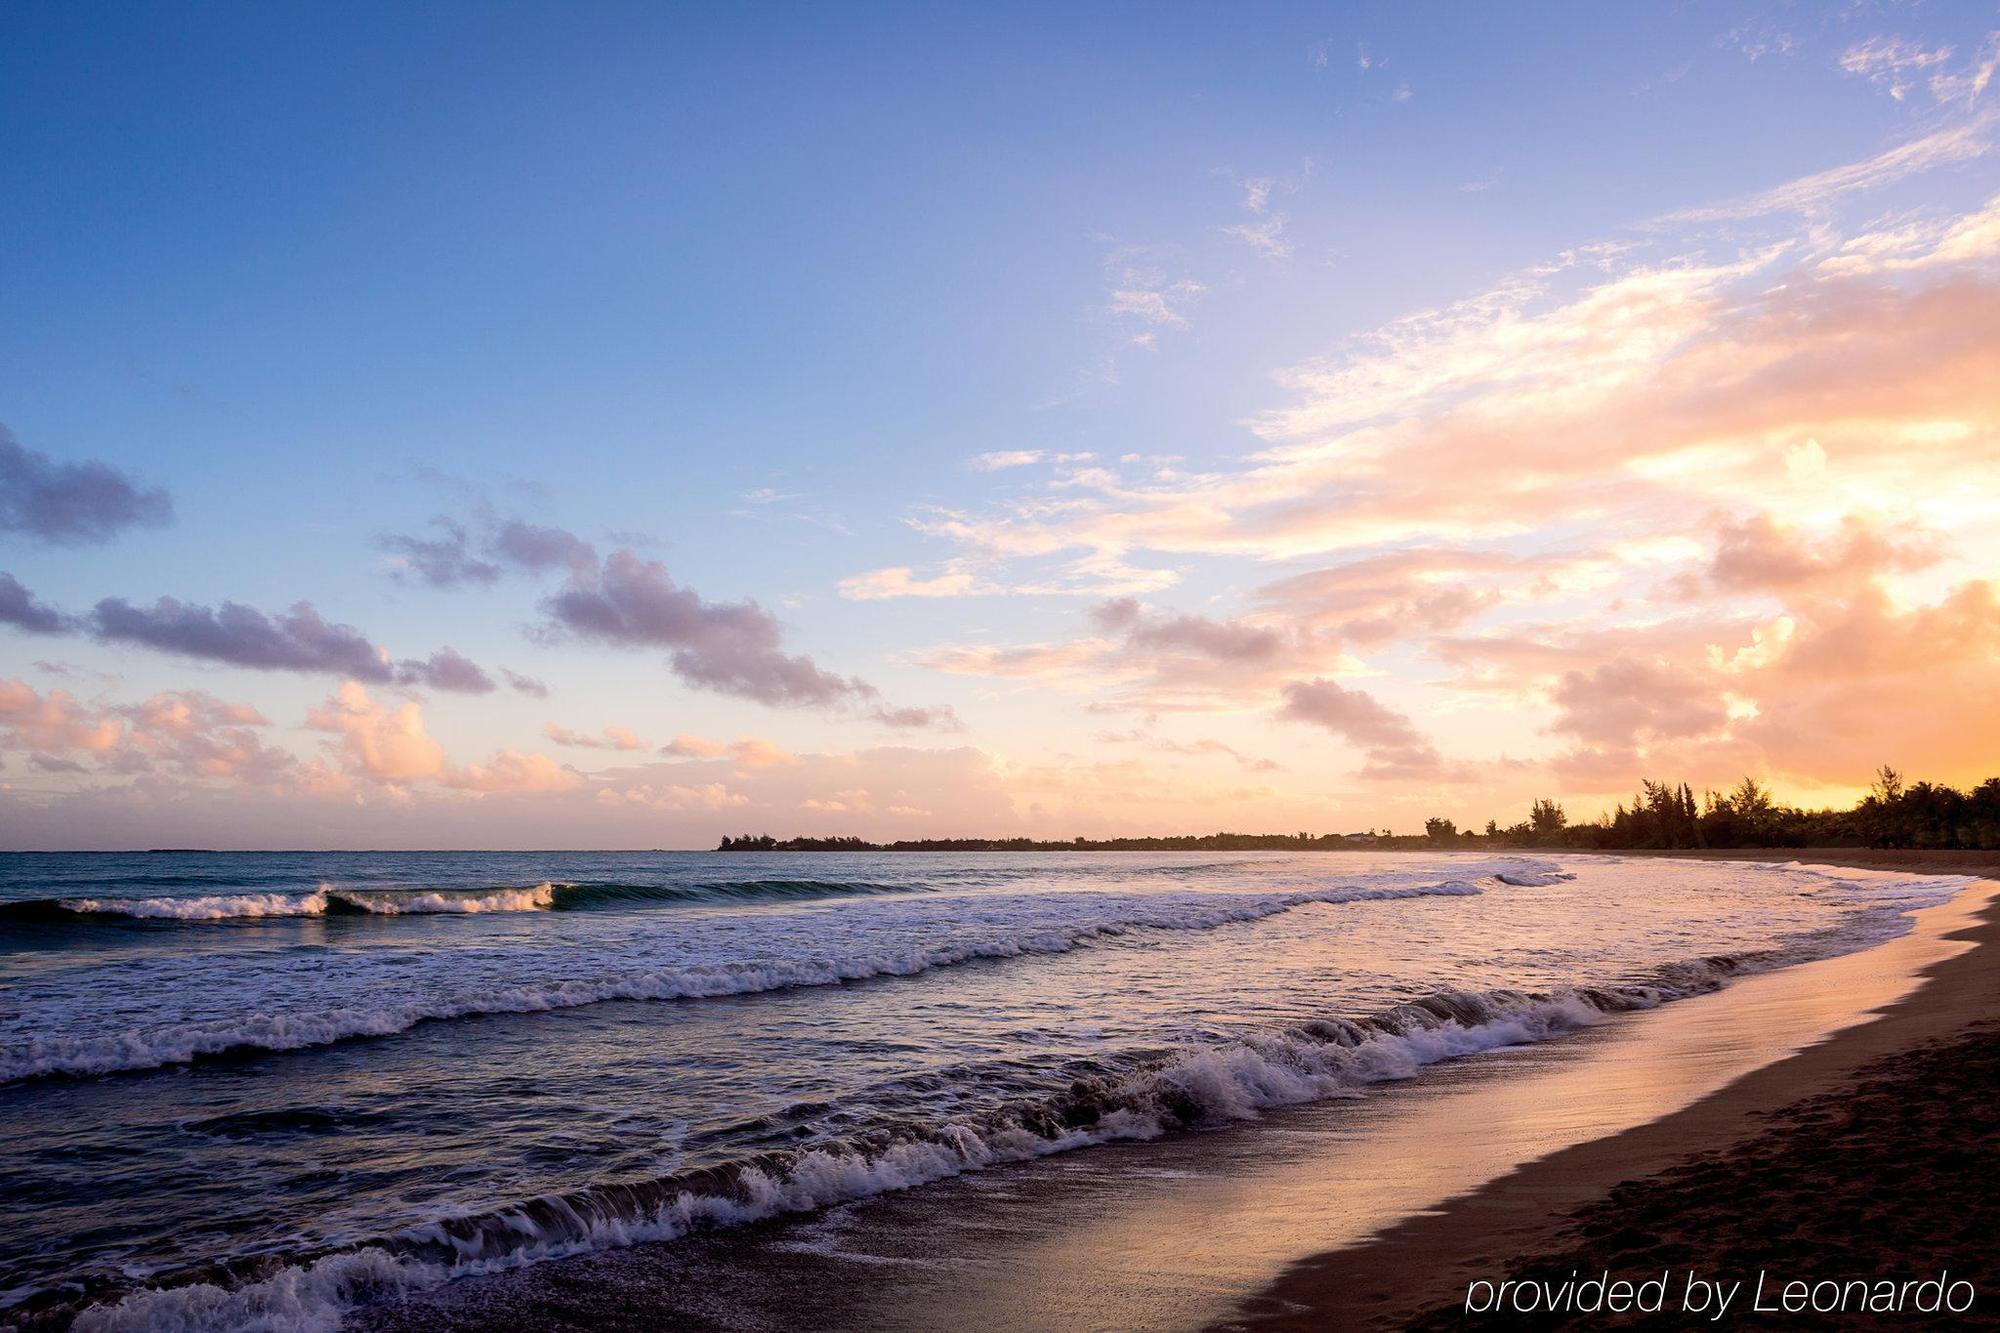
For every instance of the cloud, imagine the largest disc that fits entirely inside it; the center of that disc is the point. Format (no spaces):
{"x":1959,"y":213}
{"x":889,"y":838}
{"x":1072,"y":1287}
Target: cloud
{"x":1157,"y":661}
{"x":1758,"y":39}
{"x":1892,"y":63}
{"x":748,"y":752}
{"x":456,"y":558}
{"x":528,"y":685}
{"x":611,"y":738}
{"x":1422,"y":591}
{"x":513,"y":772}
{"x":1203,"y":748}
{"x":1865,"y":681}
{"x":1266,"y":236}
{"x":441,"y":562}
{"x":296,"y":640}
{"x":708,"y":796}
{"x":902,"y":581}
{"x":1156,"y":305}
{"x":1813,"y":194}
{"x":538,"y":549}
{"x":1966,"y":86}
{"x":1223,"y":641}
{"x":197,"y":734}
{"x":693,"y":747}
{"x":1624,"y":702}
{"x":1006,"y":458}
{"x":188,"y":733}
{"x":1393,"y":745}
{"x":380,"y":742}
{"x":391,"y":746}
{"x":755,"y":752}
{"x":1899,"y":66}
{"x":56,"y":722}
{"x":936,"y":717}
{"x":70,"y":504}
{"x":734,"y":648}
{"x":446,"y":669}
{"x":1759,"y":554}
{"x":19,"y":608}
{"x":1601,"y":395}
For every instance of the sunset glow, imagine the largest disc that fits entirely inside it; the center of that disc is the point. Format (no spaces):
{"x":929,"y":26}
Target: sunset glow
{"x":1309,"y":428}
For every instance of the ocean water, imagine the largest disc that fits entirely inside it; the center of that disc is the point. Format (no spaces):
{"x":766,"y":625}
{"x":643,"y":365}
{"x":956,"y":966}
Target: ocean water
{"x":278,"y":1090}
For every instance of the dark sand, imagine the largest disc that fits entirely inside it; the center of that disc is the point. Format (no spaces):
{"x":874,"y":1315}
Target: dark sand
{"x":1874,"y":1153}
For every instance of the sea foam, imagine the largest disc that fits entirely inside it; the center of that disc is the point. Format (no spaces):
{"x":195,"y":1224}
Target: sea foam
{"x":181,"y":1043}
{"x":1211,"y":1084}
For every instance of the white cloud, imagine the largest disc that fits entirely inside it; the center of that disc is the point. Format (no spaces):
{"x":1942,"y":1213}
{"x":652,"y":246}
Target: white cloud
{"x":1267,"y":237}
{"x":1893,"y":63}
{"x":1164,"y":304}
{"x":998,"y":459}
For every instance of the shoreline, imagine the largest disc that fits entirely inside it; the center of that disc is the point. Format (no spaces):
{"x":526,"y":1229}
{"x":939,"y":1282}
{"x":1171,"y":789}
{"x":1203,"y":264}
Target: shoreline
{"x":1419,"y":1268}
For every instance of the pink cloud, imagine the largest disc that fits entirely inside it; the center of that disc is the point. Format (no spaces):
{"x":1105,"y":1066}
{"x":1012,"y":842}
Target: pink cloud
{"x":611,"y":738}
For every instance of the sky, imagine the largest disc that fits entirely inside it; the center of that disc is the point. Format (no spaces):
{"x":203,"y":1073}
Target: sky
{"x":515,"y":425}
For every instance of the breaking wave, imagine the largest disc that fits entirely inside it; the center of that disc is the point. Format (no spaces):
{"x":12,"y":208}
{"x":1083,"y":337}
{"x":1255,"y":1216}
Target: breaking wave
{"x":1533,"y":879}
{"x":1212,"y":1084}
{"x":330,"y":900}
{"x":183,"y":1043}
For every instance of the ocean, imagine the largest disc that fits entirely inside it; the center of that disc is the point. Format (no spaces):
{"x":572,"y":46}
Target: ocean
{"x":291,"y":1089}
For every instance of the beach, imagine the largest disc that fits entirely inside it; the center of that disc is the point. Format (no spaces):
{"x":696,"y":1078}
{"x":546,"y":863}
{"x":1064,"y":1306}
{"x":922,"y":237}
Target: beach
{"x":1862,"y":1157}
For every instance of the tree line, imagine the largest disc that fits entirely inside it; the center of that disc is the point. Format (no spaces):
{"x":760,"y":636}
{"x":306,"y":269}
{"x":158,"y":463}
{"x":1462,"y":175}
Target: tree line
{"x":1666,"y":815}
{"x":1662,"y":815}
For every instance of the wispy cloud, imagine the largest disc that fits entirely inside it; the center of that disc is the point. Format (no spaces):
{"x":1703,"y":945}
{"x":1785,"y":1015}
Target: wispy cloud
{"x":1265,"y":235}
{"x":1537,"y":449}
{"x":610,"y":738}
{"x":1154,"y":301}
{"x":1894,"y":64}
{"x":1815,"y":193}
{"x":999,"y":459}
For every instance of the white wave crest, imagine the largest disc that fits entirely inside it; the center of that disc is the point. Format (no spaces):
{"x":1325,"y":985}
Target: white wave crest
{"x":250,"y":906}
{"x":180,"y":1043}
{"x":539,"y":898}
{"x":216,"y":907}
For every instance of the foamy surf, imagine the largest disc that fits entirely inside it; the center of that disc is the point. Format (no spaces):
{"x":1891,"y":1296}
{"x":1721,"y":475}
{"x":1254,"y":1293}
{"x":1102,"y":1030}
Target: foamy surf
{"x":325,"y":900}
{"x":213,"y":907}
{"x":1214,"y":1084}
{"x":332,"y":900}
{"x":182,"y":1043}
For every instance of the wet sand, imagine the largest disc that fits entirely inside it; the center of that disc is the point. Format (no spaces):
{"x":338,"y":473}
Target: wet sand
{"x":1869,"y":1153}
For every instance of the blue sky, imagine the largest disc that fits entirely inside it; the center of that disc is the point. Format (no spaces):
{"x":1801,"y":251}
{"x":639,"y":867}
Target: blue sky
{"x":750,"y":290}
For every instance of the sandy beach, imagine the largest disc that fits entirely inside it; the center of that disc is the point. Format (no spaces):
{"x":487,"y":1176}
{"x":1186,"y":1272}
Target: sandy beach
{"x":1864,"y":1156}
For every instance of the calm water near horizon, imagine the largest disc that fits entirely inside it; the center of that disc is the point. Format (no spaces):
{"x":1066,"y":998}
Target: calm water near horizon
{"x":284,"y":1087}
